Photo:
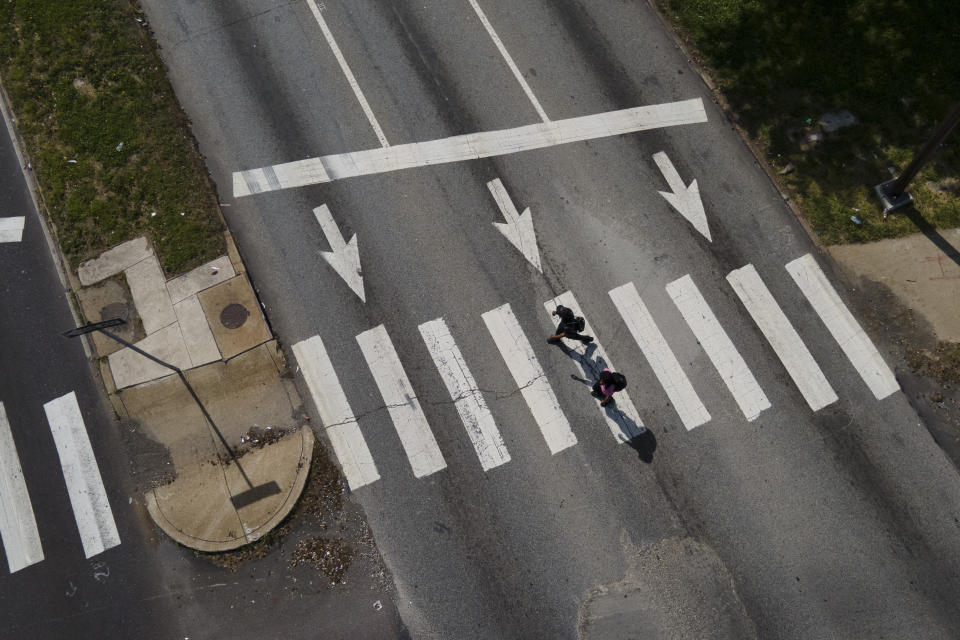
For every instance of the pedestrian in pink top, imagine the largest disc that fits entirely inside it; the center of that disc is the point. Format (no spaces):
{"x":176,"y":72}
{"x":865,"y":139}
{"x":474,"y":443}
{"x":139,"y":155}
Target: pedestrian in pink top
{"x":607,"y":384}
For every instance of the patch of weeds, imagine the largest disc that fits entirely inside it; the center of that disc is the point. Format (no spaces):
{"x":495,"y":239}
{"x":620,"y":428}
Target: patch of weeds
{"x":110,"y":147}
{"x":781,"y":66}
{"x":942,"y":364}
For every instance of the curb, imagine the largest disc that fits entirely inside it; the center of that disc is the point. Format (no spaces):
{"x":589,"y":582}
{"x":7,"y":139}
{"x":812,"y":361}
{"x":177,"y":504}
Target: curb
{"x":251,"y":531}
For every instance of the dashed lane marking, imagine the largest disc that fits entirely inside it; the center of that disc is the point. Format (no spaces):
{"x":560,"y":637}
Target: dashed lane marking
{"x":335,"y":413}
{"x":509,"y":60}
{"x":342,"y":61}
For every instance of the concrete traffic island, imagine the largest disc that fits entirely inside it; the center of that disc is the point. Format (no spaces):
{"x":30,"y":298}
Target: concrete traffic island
{"x":235,"y":446}
{"x":196,"y":509}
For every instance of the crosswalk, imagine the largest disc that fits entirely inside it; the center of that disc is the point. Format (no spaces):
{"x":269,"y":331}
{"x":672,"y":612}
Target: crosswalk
{"x":88,"y":498}
{"x":622,"y":418}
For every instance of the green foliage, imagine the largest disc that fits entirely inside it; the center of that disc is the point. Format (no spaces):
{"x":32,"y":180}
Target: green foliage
{"x":894,"y":64}
{"x":84,"y":77}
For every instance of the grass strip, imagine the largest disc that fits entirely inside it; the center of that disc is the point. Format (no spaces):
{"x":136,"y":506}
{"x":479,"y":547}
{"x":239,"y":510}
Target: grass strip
{"x":894,"y":65}
{"x":111,"y":149}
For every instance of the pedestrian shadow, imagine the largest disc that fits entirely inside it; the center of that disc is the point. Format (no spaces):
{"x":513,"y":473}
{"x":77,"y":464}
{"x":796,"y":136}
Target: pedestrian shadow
{"x":590,"y":367}
{"x":644,"y":442}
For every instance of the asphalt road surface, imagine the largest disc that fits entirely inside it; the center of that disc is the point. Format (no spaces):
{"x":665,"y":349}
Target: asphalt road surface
{"x":829,"y":514}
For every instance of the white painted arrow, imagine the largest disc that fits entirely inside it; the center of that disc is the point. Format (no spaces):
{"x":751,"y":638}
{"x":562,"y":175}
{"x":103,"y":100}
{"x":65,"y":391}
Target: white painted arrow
{"x":684,"y":199}
{"x":518,"y":228}
{"x":344,"y":257}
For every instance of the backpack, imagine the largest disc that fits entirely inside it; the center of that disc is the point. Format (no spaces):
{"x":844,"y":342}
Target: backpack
{"x":579,"y":323}
{"x":619,"y":381}
{"x":570,"y":320}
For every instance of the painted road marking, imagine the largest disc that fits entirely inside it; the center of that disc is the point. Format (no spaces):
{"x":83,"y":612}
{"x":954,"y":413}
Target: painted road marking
{"x":462,"y":386}
{"x":716,"y":343}
{"x":402,"y":404}
{"x":843,"y":326}
{"x":11,"y":229}
{"x":529,"y":377}
{"x":335,"y":413}
{"x":622,"y":416}
{"x":510,"y":63}
{"x":467,"y":147}
{"x":18,"y":526}
{"x":781,"y":335}
{"x":88,"y":497}
{"x":518,"y":228}
{"x":657,"y":352}
{"x":348,"y":73}
{"x":343,"y":256}
{"x":686,"y":200}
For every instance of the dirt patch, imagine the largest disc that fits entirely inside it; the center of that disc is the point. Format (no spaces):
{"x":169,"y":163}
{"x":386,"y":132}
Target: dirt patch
{"x":330,"y":556}
{"x":942,"y":364}
{"x":150,"y":463}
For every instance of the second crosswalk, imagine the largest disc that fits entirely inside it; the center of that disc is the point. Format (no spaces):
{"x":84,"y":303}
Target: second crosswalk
{"x":624,"y":422}
{"x":88,"y":497}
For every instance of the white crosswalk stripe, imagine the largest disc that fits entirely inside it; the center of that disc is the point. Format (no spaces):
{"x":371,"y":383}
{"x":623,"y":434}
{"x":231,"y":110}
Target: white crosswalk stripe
{"x":335,"y":413}
{"x":529,"y":377}
{"x":718,"y":347}
{"x":843,"y":327}
{"x":18,"y":526}
{"x":11,"y":229}
{"x":401,"y":400}
{"x":473,"y":410}
{"x":88,"y":497}
{"x":657,"y":352}
{"x":781,"y":335}
{"x":623,"y":419}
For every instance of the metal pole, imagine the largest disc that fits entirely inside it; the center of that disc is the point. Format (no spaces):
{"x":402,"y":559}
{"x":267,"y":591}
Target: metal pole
{"x":893,"y":193}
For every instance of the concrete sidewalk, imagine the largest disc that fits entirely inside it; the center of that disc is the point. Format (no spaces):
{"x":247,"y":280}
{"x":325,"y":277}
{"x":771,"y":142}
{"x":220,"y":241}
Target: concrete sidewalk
{"x":209,"y":324}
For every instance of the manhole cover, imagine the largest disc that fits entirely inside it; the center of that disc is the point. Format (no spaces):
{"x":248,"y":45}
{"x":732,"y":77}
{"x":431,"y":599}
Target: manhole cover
{"x":234,"y":315}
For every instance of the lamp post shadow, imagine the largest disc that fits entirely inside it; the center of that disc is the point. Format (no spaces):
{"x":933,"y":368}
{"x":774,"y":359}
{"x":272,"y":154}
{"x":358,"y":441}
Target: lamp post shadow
{"x":242,"y":499}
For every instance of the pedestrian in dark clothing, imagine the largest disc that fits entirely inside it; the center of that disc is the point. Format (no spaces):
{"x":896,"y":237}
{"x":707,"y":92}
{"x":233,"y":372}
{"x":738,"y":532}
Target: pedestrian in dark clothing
{"x":607,"y":384}
{"x":570,"y":326}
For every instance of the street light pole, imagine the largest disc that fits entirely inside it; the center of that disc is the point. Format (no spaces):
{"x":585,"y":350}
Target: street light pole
{"x":242,"y":499}
{"x":892,"y":193}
